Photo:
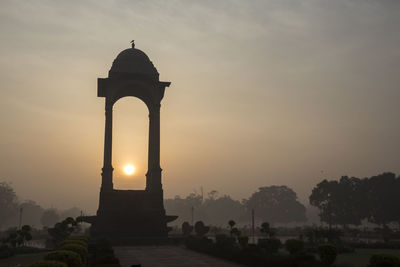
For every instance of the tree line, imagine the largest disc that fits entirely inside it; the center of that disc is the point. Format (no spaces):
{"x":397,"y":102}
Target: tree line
{"x":12,"y":210}
{"x":347,"y":201}
{"x":275,"y":204}
{"x":352,"y":200}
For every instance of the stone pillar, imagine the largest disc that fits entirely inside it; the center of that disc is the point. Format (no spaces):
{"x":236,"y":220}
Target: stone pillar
{"x":153,"y":181}
{"x":107,"y":170}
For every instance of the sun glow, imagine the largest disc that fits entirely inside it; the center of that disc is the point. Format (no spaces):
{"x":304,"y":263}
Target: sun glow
{"x":129,"y":169}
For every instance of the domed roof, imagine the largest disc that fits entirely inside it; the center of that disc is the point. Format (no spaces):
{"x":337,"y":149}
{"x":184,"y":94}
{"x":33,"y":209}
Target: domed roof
{"x":133,"y":61}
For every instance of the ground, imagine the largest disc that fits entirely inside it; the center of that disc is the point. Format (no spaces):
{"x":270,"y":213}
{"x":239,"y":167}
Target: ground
{"x":361,"y":257}
{"x":150,"y":256}
{"x":21,"y":260}
{"x":157,"y":256}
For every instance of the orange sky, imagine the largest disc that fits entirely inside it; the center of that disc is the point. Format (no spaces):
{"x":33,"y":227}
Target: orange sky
{"x":263,"y":93}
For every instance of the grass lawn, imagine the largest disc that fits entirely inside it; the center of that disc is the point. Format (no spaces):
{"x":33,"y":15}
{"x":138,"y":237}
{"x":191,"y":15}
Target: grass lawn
{"x":361,"y":257}
{"x":21,"y":260}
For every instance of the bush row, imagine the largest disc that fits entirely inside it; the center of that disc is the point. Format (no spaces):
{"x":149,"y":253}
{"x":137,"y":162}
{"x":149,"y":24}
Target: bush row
{"x":265,"y":253}
{"x":73,"y":252}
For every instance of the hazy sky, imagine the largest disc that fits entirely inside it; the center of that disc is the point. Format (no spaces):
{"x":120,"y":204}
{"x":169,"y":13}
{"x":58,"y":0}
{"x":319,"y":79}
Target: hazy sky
{"x":263,"y":93}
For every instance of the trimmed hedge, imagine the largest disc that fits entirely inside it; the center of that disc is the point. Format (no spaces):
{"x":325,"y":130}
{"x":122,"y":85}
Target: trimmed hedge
{"x":74,"y":242}
{"x":384,"y":260}
{"x":82,"y":251}
{"x":327,"y":253}
{"x":72,"y":259}
{"x":48,"y":264}
{"x":79,"y":237}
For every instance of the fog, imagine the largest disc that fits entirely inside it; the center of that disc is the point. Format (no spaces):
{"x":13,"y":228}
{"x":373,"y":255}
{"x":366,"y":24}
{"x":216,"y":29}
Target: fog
{"x":263,"y":93}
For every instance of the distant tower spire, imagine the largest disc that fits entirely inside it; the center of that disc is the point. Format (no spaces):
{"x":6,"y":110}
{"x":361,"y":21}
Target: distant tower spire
{"x":133,"y":43}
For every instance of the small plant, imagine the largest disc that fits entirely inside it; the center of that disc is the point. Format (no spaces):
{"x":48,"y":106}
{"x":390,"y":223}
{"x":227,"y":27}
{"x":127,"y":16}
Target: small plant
{"x":62,"y":230}
{"x":74,"y":242}
{"x":384,"y":260}
{"x":327,"y":253}
{"x":81,"y":250}
{"x":72,"y":259}
{"x":187,"y":229}
{"x":201,"y":229}
{"x":48,"y":264}
{"x":83,"y":238}
{"x":294,"y":246}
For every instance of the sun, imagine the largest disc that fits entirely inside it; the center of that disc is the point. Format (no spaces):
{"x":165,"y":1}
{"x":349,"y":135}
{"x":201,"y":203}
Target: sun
{"x":129,"y":169}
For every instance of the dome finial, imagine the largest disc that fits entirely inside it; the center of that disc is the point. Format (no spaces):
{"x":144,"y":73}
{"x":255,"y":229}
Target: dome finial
{"x":133,"y":43}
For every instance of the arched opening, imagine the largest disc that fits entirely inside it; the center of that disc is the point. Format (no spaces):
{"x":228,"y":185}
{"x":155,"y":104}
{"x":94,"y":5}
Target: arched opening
{"x":130,"y":143}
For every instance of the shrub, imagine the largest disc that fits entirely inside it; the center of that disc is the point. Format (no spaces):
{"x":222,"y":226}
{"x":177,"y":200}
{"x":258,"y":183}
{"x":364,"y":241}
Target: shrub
{"x":82,"y":251}
{"x":384,"y":260}
{"x":48,"y":264}
{"x":200,"y":228}
{"x":327,"y":253}
{"x":271,"y":245}
{"x":74,"y":242}
{"x":84,"y":238}
{"x":294,"y":246}
{"x":186,"y":228}
{"x":72,"y":259}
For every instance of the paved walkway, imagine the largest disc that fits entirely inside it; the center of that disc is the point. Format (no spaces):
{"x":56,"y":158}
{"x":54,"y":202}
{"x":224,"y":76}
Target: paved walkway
{"x":167,"y":256}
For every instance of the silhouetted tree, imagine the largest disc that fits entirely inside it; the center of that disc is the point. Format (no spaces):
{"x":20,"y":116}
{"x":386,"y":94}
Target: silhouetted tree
{"x":383,"y":198}
{"x":61,"y":230}
{"x":8,"y":203}
{"x":187,"y":229}
{"x":350,"y":200}
{"x":276,"y":204}
{"x":231,"y":224}
{"x":213,"y":209}
{"x":200,"y":228}
{"x":339,"y":202}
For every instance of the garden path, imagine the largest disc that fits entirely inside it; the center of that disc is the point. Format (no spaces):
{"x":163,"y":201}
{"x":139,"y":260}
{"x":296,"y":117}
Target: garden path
{"x":165,"y":256}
